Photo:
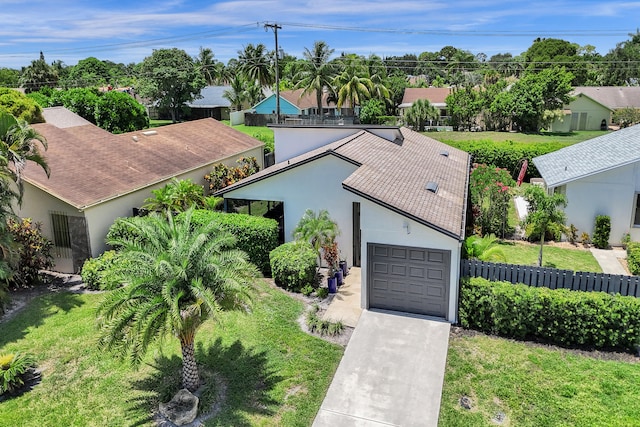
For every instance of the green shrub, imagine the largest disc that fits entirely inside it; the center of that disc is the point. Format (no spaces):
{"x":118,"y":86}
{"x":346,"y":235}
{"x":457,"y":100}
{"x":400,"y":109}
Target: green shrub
{"x":561,"y":316}
{"x":34,"y":253}
{"x":633,"y":258}
{"x":507,"y":155}
{"x":257,"y":236}
{"x":322,"y":293}
{"x":601,"y":232}
{"x":121,"y":230}
{"x":13,"y":370}
{"x":101,"y":272}
{"x":306,"y":290}
{"x":293,"y":265}
{"x":322,"y":327}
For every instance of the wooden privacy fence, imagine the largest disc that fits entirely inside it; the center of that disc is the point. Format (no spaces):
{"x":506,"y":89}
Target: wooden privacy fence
{"x":552,"y":278}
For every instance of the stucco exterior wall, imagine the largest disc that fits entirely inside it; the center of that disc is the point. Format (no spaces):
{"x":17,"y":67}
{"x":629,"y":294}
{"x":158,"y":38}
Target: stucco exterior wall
{"x":380,"y":225}
{"x":609,"y":193}
{"x":268,"y":106}
{"x":294,"y":141}
{"x":582,"y":104}
{"x":315,"y":186}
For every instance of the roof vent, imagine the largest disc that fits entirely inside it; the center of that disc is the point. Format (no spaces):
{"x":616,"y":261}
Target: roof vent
{"x":135,"y":138}
{"x":432,"y":186}
{"x":150,"y":133}
{"x":444,"y":153}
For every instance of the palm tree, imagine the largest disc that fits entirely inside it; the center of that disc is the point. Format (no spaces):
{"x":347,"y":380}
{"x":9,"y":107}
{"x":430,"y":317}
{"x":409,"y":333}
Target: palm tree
{"x":544,"y":214}
{"x":316,"y":72}
{"x":254,"y":63}
{"x":378,"y":75}
{"x":177,"y":196}
{"x":18,"y":144}
{"x":319,"y":230}
{"x":484,"y":248}
{"x":353,"y":83}
{"x":207,"y":65}
{"x":420,"y":112}
{"x":236,"y":95}
{"x":183,"y":274}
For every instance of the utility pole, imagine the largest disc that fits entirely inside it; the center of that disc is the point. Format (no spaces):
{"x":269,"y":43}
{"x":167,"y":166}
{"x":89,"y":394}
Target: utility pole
{"x":275,"y":27}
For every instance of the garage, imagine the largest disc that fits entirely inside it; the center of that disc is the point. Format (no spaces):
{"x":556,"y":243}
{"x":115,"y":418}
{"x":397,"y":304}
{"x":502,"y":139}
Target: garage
{"x":409,"y":279}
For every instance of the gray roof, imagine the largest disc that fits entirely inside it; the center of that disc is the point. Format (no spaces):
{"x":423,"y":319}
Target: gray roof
{"x":211,"y":98}
{"x":394,"y":174}
{"x":590,"y":157}
{"x":614,"y":97}
{"x":62,"y":118}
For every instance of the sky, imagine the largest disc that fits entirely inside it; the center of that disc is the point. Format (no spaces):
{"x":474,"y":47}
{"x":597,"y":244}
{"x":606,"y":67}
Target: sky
{"x":128,"y":31}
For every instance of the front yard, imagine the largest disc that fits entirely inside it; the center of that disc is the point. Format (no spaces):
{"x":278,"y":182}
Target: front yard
{"x":511,"y":383}
{"x":562,"y":256}
{"x":261,"y":368}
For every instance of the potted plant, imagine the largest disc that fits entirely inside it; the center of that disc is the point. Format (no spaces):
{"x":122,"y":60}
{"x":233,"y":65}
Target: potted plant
{"x":343,"y":266}
{"x":330,"y":254}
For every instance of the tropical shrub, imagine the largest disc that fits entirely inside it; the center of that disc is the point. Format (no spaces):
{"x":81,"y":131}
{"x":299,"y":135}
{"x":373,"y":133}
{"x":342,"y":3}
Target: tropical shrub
{"x":317,"y":229}
{"x":483,"y":248}
{"x":14,"y":369}
{"x":507,"y":155}
{"x":293,"y":265}
{"x":572,"y":234}
{"x":121,"y":229}
{"x":560,"y":316}
{"x":257,"y":236}
{"x":633,"y":258}
{"x":177,"y":195}
{"x":490,"y":199}
{"x":101,"y":272}
{"x":34,"y":252}
{"x":222,"y":176}
{"x":601,"y":232}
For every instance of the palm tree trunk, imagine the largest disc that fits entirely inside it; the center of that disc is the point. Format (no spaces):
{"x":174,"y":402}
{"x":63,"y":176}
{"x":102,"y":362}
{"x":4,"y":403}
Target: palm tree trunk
{"x":190,"y":377}
{"x":541,"y":246}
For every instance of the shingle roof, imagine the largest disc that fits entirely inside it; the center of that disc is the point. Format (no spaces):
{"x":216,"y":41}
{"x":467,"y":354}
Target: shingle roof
{"x":590,"y":157}
{"x":89,"y":165}
{"x":395,"y":175}
{"x":212,"y":96}
{"x":63,"y":118}
{"x":614,"y":97}
{"x":435,"y":95}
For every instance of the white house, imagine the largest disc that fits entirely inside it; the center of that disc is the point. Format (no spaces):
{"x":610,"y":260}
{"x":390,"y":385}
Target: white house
{"x":600,"y":176}
{"x":97,"y":177}
{"x":583,"y":113}
{"x":398,"y":197}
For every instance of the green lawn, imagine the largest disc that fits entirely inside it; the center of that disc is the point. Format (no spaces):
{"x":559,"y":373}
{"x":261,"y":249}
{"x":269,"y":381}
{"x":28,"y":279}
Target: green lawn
{"x":568,"y":139}
{"x":157,"y":123}
{"x":535,"y":386}
{"x":274,"y":373}
{"x":523,"y":253}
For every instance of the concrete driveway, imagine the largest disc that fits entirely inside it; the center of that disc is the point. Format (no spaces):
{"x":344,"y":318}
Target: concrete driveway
{"x":391,"y":373}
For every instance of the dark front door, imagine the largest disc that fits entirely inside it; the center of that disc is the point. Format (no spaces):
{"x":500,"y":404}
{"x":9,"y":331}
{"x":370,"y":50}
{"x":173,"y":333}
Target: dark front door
{"x":357,"y":240}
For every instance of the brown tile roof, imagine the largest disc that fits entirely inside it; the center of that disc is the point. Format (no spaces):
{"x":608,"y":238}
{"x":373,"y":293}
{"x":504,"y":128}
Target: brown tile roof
{"x":307,"y":101}
{"x":435,"y":95}
{"x":395,"y":175}
{"x":90,"y":165}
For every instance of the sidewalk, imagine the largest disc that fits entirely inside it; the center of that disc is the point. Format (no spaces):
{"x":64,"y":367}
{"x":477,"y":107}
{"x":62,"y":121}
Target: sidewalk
{"x":345,"y":305}
{"x":609,"y":260}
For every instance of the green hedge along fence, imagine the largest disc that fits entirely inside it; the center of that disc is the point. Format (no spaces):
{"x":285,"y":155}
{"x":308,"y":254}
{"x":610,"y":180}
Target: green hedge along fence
{"x":560,"y":316}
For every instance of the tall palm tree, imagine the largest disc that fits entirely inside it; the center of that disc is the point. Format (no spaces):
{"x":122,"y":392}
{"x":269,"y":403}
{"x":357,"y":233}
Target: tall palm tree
{"x":237,"y":95}
{"x":353,"y":84}
{"x":378,"y":76}
{"x":316,"y":72}
{"x":255,"y":64}
{"x":207,"y":65}
{"x":182,"y":275}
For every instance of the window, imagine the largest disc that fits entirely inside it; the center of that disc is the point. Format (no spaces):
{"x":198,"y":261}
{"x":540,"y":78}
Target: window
{"x":61,"y":235}
{"x":636,"y":215}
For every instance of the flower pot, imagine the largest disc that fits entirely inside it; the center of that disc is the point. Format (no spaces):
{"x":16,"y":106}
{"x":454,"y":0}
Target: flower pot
{"x":344,"y":268}
{"x":332,"y":284}
{"x":340,"y":276}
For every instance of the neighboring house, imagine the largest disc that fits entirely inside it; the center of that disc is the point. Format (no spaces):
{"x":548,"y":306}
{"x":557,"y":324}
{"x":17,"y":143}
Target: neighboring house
{"x":600,"y":176}
{"x":437,"y":96}
{"x":294,"y":103}
{"x":97,"y":177}
{"x":583,"y":113}
{"x":399,"y":199}
{"x":212,"y":103}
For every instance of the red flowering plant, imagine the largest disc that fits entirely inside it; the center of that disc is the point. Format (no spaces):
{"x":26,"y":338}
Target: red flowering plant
{"x":490,"y":197}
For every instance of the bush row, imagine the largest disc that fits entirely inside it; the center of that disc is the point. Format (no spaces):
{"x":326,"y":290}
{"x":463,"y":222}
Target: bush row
{"x":561,"y":316}
{"x":507,"y":155}
{"x":257,"y":236}
{"x":293,"y":265}
{"x":99,"y":273}
{"x":633,"y":258}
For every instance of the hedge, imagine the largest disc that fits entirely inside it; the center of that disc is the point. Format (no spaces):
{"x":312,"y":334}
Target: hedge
{"x":560,"y":316}
{"x":257,"y":236}
{"x":293,"y":265}
{"x":99,"y":273}
{"x":508,"y":154}
{"x":633,"y":258}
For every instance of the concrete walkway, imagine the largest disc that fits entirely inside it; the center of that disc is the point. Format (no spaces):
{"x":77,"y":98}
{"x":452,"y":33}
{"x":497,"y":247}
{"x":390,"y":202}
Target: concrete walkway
{"x":345,"y":305}
{"x":609,"y":260}
{"x":391,"y":373}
